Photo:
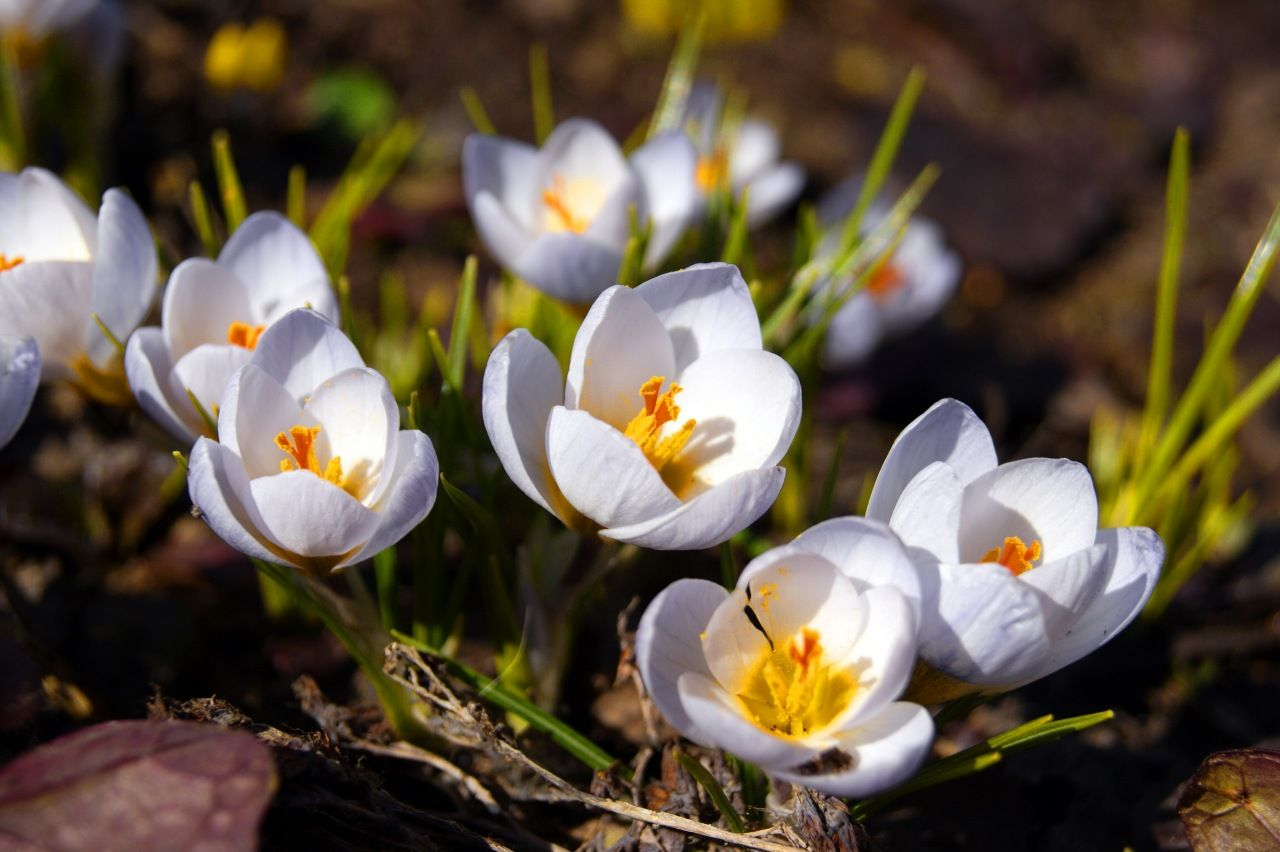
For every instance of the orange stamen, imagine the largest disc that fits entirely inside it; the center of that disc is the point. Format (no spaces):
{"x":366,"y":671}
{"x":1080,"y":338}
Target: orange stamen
{"x":659,"y":409}
{"x":805,"y":649}
{"x":1014,"y":555}
{"x":554,"y":198}
{"x":885,"y":281}
{"x":711,"y":170}
{"x":244,"y":335}
{"x":7,"y":263}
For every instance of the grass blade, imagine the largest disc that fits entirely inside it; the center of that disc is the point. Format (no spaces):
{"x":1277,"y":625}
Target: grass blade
{"x":296,"y":206}
{"x":716,"y":793}
{"x":544,"y":119}
{"x":234,"y":208}
{"x":679,"y":80}
{"x":476,"y":112}
{"x":462,"y":318}
{"x":201,"y":219}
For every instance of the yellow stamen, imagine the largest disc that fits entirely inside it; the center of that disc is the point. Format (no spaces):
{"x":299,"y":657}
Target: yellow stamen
{"x":244,"y":335}
{"x":1014,"y":555}
{"x":792,"y":690}
{"x":885,"y":281}
{"x":646,"y":427}
{"x":299,"y":447}
{"x":571,"y":204}
{"x":711,"y":171}
{"x":7,"y":263}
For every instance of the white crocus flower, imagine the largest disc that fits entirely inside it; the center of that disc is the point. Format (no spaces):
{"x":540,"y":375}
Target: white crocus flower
{"x":800,"y":668}
{"x":310,"y":468}
{"x":1022,"y":582}
{"x":905,"y":291}
{"x":38,"y":18}
{"x":746,"y":158}
{"x":60,"y":265}
{"x":669,"y":428}
{"x":558,"y":216}
{"x":213,"y":315}
{"x":19,"y":378}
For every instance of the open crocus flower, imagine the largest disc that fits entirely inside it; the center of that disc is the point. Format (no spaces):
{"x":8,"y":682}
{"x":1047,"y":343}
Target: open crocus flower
{"x":19,"y":378}
{"x":60,"y":266}
{"x":1019,"y":581}
{"x":214,"y":314}
{"x":310,"y":468}
{"x":905,"y":291}
{"x":558,"y":216}
{"x":800,"y":668}
{"x":745,"y":158}
{"x":670,"y":426}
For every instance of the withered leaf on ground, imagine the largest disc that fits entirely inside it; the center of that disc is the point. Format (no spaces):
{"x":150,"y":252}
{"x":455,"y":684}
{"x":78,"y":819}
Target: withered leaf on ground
{"x":1233,"y":802}
{"x":139,"y":785}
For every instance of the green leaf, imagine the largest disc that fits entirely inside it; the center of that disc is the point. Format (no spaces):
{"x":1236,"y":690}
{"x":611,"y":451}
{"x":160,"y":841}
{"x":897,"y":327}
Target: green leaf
{"x":463,"y":312}
{"x":544,"y":119}
{"x":201,"y":220}
{"x":296,"y":204}
{"x":234,"y":208}
{"x":358,"y":101}
{"x":679,"y":80}
{"x":210,"y":422}
{"x":735,"y":245}
{"x":632,"y":266}
{"x":716,"y":793}
{"x":476,"y":112}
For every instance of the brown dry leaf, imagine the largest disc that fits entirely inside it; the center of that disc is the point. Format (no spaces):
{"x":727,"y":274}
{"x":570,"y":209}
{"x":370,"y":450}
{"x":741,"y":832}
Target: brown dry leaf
{"x":1233,"y":802}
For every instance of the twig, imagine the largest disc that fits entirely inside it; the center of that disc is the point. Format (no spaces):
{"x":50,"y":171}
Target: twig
{"x":408,"y":751}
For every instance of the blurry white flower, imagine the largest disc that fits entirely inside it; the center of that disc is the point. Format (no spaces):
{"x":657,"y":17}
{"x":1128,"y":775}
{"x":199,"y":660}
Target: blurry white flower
{"x":60,"y":265}
{"x":558,"y":216}
{"x":746,"y":157}
{"x":670,"y":426}
{"x":310,"y":468}
{"x":19,"y":378}
{"x":213,"y":315}
{"x":1020,"y":580}
{"x":39,"y":18}
{"x":800,"y":668}
{"x":903,"y":293}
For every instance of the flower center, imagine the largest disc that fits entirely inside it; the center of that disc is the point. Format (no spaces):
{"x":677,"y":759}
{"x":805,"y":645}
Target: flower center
{"x":244,"y":335}
{"x":711,"y":170}
{"x":792,"y":690}
{"x":299,"y":447}
{"x":1014,"y":555}
{"x":571,"y":204}
{"x":7,"y":263}
{"x":646,"y":427}
{"x":885,"y":281}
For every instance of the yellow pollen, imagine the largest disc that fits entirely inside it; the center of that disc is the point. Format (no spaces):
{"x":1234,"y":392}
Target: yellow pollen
{"x":299,"y":445}
{"x":711,"y":170}
{"x":646,"y":427}
{"x":885,"y":281}
{"x":792,"y":690}
{"x":7,"y":263}
{"x":571,"y":204}
{"x":244,"y":335}
{"x":1014,"y":555}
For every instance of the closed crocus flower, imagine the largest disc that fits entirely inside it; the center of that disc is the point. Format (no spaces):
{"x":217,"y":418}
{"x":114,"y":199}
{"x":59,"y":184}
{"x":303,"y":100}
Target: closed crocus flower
{"x":800,"y":668}
{"x":905,"y":291}
{"x":19,"y":378}
{"x":669,"y":428}
{"x":1021,"y":581}
{"x":214,"y":314}
{"x":60,"y":265}
{"x":745,"y":158}
{"x":559,"y":216}
{"x":310,"y":468}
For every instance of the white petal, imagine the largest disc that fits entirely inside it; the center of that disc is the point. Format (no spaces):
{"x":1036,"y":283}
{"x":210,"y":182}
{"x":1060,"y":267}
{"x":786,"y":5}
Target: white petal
{"x":1047,"y":500}
{"x":360,"y":418}
{"x":868,"y":553}
{"x":205,"y":371}
{"x":506,"y":238}
{"x":220,"y":490}
{"x":124,"y":272}
{"x":619,"y":347}
{"x":854,"y":332}
{"x":704,"y":308}
{"x":271,"y":256}
{"x":19,"y":378}
{"x":931,"y":272}
{"x":666,"y":166}
{"x":147,"y":365}
{"x":255,"y":408}
{"x":200,"y":303}
{"x":948,"y":432}
{"x":710,"y":518}
{"x":504,"y":170}
{"x":771,"y":191}
{"x":55,"y":224}
{"x":668,"y":645}
{"x":410,"y":496}
{"x":927,"y":514}
{"x":302,"y":349}
{"x":746,"y":403}
{"x":307,"y":516}
{"x":611,"y":225}
{"x":48,"y":301}
{"x":884,"y":654}
{"x":1134,"y":557}
{"x":755,"y":148}
{"x":569,"y":266}
{"x":884,"y":752}
{"x":603,"y":473}
{"x":522,"y":383}
{"x":580,"y":149}
{"x":1068,"y":586}
{"x":987,"y":629}
{"x":713,"y":712}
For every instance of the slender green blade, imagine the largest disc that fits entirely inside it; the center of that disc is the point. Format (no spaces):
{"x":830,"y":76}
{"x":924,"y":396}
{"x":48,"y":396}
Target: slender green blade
{"x":544,"y":119}
{"x":463,"y":314}
{"x":829,"y":482}
{"x":476,"y":112}
{"x":716,"y":793}
{"x":234,"y":208}
{"x":297,"y":201}
{"x":679,"y":80}
{"x":201,"y":220}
